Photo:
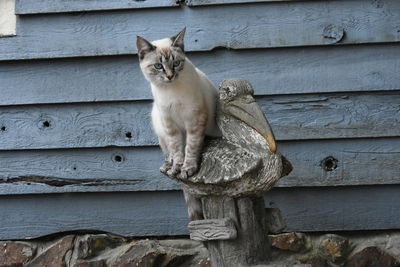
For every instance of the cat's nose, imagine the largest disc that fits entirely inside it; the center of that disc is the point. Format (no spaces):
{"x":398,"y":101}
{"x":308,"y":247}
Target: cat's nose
{"x":170,"y":77}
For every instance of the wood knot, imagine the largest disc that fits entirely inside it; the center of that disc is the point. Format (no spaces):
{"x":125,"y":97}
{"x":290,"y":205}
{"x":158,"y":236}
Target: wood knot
{"x":333,"y":33}
{"x":329,"y":163}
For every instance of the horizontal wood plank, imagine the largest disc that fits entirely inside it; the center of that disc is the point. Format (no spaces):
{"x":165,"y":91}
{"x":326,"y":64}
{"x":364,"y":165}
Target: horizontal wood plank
{"x":301,"y":23}
{"x":276,"y":71}
{"x":225,"y":2}
{"x":164,"y":213}
{"x":74,"y":126}
{"x":24,"y":7}
{"x":316,"y":163}
{"x":337,"y":209}
{"x":293,"y":117}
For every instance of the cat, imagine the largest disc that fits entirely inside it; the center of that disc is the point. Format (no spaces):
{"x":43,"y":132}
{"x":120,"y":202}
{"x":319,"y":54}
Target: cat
{"x":183,"y":109}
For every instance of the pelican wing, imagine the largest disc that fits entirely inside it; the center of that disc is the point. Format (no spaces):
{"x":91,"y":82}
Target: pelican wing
{"x":224,"y":162}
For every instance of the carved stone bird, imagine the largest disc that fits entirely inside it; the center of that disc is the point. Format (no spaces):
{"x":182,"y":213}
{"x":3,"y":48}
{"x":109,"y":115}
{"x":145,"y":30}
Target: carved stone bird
{"x":245,"y":161}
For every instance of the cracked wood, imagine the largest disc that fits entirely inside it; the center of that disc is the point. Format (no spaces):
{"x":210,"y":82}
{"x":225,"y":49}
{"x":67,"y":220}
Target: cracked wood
{"x":344,"y":162}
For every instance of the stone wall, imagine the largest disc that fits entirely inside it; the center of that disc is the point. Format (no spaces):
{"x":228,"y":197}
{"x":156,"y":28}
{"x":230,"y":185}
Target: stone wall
{"x":372,"y":249}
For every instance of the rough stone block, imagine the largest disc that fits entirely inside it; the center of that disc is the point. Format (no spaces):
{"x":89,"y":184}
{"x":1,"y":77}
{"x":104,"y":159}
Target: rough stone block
{"x":171,"y":253}
{"x":313,"y":259}
{"x":334,"y":248}
{"x":92,"y":245}
{"x":96,"y":263}
{"x":289,"y":241}
{"x":54,"y":255}
{"x":372,"y":257}
{"x":15,"y":253}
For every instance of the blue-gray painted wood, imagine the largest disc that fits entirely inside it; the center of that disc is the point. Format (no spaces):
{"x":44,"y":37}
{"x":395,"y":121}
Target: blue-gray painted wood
{"x":277,"y":25}
{"x":138,"y":214}
{"x":23,"y":7}
{"x":225,"y":2}
{"x":337,"y":209}
{"x":358,"y":162}
{"x":293,"y":117}
{"x":164,"y":213}
{"x":271,"y":71}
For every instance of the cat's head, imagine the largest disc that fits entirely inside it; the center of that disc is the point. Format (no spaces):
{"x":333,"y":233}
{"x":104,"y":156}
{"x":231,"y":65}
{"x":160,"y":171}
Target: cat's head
{"x":161,"y":61}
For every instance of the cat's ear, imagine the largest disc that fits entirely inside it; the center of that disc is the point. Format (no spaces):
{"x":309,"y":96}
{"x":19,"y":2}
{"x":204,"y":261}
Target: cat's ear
{"x":143,"y":46}
{"x":177,"y":40}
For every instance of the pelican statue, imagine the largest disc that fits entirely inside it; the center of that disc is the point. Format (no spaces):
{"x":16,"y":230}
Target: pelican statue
{"x":245,"y":160}
{"x":224,"y":198}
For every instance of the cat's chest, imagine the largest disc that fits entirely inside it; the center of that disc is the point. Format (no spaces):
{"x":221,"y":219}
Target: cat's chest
{"x":178,"y":110}
{"x":177,"y":102}
{"x":175,"y":108}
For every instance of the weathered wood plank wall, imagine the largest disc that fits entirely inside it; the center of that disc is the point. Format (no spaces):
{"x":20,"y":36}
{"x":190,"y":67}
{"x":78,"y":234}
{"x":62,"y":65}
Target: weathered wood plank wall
{"x":80,"y":125}
{"x":164,"y":213}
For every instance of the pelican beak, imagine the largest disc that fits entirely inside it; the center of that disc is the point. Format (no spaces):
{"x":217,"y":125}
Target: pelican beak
{"x":246,"y":110}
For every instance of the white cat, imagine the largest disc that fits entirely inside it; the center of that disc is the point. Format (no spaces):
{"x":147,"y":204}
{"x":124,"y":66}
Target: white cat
{"x":184,"y":103}
{"x":183,"y":109}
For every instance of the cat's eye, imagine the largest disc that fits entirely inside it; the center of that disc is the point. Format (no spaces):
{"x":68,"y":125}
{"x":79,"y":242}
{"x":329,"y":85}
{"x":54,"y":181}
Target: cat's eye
{"x":177,"y":63}
{"x":158,"y":66}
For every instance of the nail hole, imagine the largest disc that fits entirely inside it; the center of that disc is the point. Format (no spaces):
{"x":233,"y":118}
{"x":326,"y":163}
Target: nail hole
{"x":329,"y":163}
{"x":74,"y":168}
{"x":118,"y":158}
{"x":196,"y":40}
{"x":128,"y":135}
{"x":3,"y":128}
{"x":46,"y":124}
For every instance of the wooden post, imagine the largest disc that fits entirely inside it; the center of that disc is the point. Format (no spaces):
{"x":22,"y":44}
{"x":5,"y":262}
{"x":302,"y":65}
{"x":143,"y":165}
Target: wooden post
{"x":250,"y":245}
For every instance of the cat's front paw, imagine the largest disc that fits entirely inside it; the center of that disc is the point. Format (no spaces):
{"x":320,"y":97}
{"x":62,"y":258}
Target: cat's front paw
{"x":174,"y":170}
{"x":165,"y":167}
{"x":188,"y":171}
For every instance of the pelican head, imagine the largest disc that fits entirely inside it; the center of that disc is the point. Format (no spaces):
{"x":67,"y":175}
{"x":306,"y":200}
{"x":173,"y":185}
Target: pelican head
{"x":237,"y":100}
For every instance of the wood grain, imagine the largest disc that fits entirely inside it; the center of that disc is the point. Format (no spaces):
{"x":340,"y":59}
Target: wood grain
{"x":248,"y":215}
{"x":24,"y":7}
{"x":281,"y":24}
{"x":292,"y":117}
{"x":212,"y":229}
{"x":372,"y":161}
{"x":271,"y":71}
{"x":74,"y":126}
{"x":337,"y":209}
{"x":164,"y":213}
{"x":226,"y":2}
